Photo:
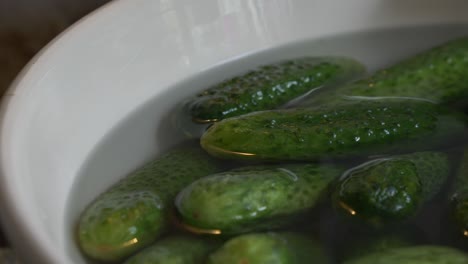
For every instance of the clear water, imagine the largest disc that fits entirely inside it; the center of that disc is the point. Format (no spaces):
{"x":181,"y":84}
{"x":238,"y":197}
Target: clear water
{"x":140,"y":137}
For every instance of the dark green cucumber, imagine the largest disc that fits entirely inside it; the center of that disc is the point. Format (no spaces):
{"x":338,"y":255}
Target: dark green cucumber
{"x":393,"y":188}
{"x":414,"y":255}
{"x":253,"y":198}
{"x":375,"y":244}
{"x":439,"y":75}
{"x":261,"y":248}
{"x":271,"y":86}
{"x":349,"y":129}
{"x":460,"y":197}
{"x":135,"y":211}
{"x":175,"y":250}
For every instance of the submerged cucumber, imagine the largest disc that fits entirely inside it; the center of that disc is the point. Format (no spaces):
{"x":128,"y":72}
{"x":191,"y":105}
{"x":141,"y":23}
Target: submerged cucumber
{"x":393,"y":188}
{"x":175,"y":250}
{"x":460,"y":197}
{"x":349,"y":129}
{"x":253,"y":198}
{"x":262,"y":248}
{"x":271,"y":86}
{"x":135,"y":211}
{"x":439,"y":75}
{"x":375,"y":244}
{"x":414,"y":255}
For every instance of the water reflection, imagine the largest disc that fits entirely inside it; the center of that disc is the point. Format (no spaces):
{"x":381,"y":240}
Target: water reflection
{"x":195,"y":26}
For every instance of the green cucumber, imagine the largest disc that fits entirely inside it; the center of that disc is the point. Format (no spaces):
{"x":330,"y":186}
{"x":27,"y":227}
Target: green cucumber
{"x":135,"y":211}
{"x":271,"y":86}
{"x":348,"y":129}
{"x":261,"y":248}
{"x":392,"y":188}
{"x":376,"y":243}
{"x":253,"y":198}
{"x":460,"y":197}
{"x":175,"y":250}
{"x":439,"y":75}
{"x":414,"y":255}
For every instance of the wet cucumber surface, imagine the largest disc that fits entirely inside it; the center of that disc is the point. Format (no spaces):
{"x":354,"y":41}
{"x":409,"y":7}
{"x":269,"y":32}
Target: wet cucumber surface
{"x":175,"y":249}
{"x":376,"y":243}
{"x":372,"y":171}
{"x":133,"y":213}
{"x":271,"y":86}
{"x":266,"y":197}
{"x":392,"y":188}
{"x":414,"y":255}
{"x":438,"y":75}
{"x":349,"y":129}
{"x":259,"y":248}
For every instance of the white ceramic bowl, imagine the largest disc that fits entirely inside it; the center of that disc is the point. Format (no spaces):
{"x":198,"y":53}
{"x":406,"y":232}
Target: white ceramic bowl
{"x":93,"y":104}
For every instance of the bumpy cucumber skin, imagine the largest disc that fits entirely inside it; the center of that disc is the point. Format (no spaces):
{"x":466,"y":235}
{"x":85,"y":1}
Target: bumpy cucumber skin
{"x":175,"y":250}
{"x":271,"y":86}
{"x":414,"y":255}
{"x":135,"y":211}
{"x":438,"y":74}
{"x":460,"y":197}
{"x":253,"y":198}
{"x":349,"y":129}
{"x":391,"y":189}
{"x":278,"y":248}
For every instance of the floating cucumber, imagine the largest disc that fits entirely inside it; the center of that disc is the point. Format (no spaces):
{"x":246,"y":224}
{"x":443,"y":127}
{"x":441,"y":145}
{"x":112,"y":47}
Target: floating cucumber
{"x":460,"y":197}
{"x":393,"y":188}
{"x":439,"y":75}
{"x":135,"y":211}
{"x":278,"y":248}
{"x":253,"y":198}
{"x":348,"y":129}
{"x":271,"y":86}
{"x":414,"y":255}
{"x":175,"y":250}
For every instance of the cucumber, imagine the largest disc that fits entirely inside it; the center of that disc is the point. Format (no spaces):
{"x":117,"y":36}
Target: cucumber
{"x":460,"y":196}
{"x":278,"y":248}
{"x":175,"y":250}
{"x":270,"y":86}
{"x":135,"y":211}
{"x":253,"y":198}
{"x":414,"y":255}
{"x":375,"y":244}
{"x":438,"y":75}
{"x":350,"y":129}
{"x":392,"y":188}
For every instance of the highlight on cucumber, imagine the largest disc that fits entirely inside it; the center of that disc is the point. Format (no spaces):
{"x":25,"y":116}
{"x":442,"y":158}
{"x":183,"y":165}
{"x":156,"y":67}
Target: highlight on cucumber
{"x":294,"y":155}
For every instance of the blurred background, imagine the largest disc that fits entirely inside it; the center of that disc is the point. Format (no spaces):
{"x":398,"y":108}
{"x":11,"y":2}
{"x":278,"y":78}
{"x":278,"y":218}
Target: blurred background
{"x":25,"y":27}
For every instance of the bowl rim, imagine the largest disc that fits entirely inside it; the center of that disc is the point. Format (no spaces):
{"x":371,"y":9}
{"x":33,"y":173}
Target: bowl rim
{"x":13,"y":215}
